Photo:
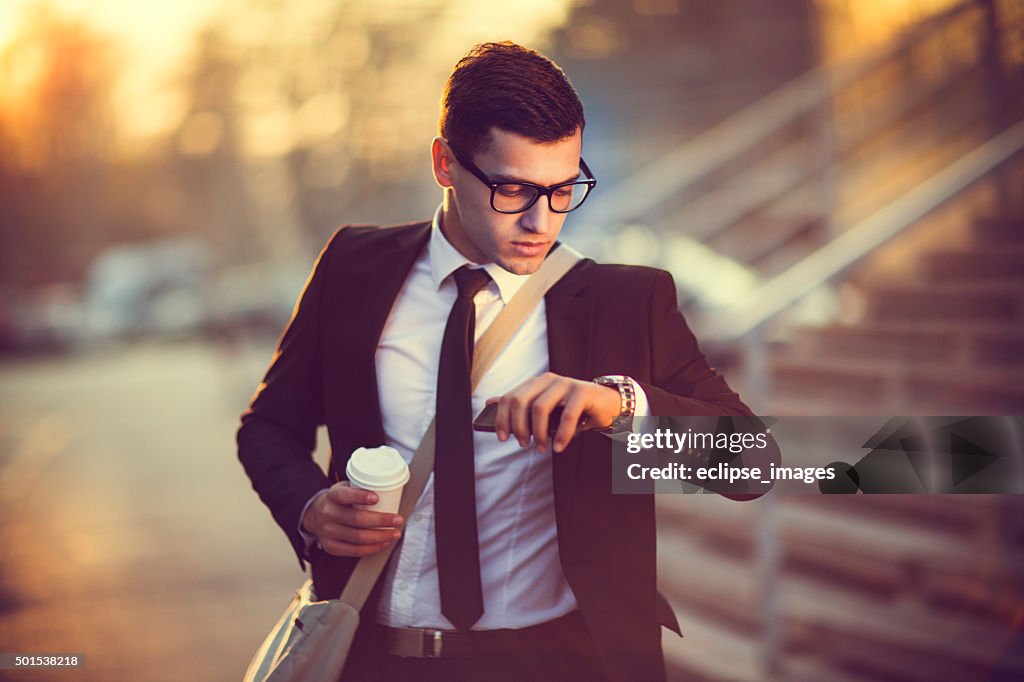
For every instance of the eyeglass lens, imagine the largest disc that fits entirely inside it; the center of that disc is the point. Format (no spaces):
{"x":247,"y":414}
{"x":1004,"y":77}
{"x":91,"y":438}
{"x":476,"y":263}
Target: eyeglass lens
{"x":513,"y":198}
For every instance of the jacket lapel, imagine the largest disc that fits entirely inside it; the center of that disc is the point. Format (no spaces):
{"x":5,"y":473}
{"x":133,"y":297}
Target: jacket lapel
{"x":570,"y":317}
{"x":377,"y":279}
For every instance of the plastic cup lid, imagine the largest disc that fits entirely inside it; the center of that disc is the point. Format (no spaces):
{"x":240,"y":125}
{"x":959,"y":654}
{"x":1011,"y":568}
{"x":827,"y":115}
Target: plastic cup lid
{"x":377,"y":468}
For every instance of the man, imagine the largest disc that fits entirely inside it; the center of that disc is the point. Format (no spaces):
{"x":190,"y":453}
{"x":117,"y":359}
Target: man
{"x":552,"y":577}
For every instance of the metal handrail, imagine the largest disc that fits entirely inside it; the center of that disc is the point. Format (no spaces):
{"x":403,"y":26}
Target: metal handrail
{"x":851,"y":246}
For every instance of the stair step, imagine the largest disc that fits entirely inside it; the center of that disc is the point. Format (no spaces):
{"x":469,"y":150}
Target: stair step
{"x":728,"y":596}
{"x":921,"y":343}
{"x":711,"y":650}
{"x":998,"y":348}
{"x":870,"y":646}
{"x":898,"y":388}
{"x":905,"y":550}
{"x":945,"y":302}
{"x":1004,"y":230}
{"x":985,"y":263}
{"x":811,"y":669}
{"x":988,"y":327}
{"x":976,"y":395}
{"x":867,"y":557}
{"x":832,"y":608}
{"x":956,"y":514}
{"x":844,"y":527}
{"x":876,"y":341}
{"x":842,"y":383}
{"x":808,"y":405}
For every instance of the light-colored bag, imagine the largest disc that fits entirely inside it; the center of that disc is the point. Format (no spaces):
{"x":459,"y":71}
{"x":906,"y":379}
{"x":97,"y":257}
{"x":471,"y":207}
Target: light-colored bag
{"x":307,"y":627}
{"x":311,"y":641}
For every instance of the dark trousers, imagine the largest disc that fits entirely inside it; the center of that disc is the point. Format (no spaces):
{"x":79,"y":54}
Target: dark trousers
{"x":561,"y":650}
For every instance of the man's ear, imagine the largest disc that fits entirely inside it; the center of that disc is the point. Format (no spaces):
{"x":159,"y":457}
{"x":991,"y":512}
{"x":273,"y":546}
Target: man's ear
{"x":443,"y":159}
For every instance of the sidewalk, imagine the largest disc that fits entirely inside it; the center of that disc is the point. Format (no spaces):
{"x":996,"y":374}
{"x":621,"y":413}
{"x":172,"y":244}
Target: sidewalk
{"x":129,"y":531}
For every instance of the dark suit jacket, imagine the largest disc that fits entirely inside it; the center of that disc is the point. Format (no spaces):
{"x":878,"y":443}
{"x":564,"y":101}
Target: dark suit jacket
{"x":602,"y":319}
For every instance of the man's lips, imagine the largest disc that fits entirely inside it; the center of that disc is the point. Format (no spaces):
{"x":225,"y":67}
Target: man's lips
{"x":529,"y":248}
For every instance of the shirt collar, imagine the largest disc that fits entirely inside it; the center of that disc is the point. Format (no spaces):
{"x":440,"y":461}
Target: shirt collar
{"x":445,"y":259}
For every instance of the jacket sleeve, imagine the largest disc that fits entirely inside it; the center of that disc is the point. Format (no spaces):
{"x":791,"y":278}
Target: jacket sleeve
{"x":277,"y":435}
{"x":683,"y":383}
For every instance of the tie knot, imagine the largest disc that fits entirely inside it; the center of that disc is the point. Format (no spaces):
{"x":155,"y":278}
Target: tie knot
{"x":470,"y":281}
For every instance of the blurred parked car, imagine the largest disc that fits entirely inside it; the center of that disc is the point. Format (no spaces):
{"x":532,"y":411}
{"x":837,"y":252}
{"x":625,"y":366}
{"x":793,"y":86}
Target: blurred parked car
{"x":154,"y":288}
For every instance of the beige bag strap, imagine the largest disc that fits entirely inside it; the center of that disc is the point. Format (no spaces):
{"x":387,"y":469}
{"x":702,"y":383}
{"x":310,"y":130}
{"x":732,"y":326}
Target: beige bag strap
{"x":492,"y":342}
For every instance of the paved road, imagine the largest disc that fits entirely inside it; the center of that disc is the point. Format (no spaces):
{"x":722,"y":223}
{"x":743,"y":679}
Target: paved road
{"x":128,"y":530}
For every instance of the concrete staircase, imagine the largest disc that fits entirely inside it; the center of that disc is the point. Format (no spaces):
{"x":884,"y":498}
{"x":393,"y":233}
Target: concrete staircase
{"x":900,"y":588}
{"x":871,"y":588}
{"x":948,"y":340}
{"x":882,"y":587}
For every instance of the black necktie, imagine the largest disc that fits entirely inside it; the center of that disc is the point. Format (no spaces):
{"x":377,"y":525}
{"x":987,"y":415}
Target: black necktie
{"x":458,"y":555}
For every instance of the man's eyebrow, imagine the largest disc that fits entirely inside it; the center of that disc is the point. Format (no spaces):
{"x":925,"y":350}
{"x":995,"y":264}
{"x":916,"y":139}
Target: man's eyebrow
{"x":501,"y":177}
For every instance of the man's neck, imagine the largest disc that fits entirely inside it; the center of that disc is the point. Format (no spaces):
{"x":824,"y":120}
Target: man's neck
{"x":451,"y":228}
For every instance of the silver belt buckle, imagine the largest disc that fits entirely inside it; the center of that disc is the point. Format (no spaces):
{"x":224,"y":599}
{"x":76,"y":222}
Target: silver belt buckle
{"x":436,"y":652}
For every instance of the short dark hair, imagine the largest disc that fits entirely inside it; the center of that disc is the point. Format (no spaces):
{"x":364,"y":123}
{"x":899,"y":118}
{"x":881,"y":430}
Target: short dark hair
{"x":512,"y":88}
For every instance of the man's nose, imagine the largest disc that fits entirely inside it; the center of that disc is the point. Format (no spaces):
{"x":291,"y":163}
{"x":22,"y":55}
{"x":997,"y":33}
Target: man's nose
{"x":537,"y":218}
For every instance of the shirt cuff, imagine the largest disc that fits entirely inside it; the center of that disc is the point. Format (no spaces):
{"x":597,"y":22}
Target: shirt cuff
{"x":309,"y":538}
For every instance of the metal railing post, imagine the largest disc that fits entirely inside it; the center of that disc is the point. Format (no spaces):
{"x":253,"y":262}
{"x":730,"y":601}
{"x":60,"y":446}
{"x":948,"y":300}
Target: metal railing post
{"x":769,"y":554}
{"x":756,"y":379}
{"x":995,"y":91}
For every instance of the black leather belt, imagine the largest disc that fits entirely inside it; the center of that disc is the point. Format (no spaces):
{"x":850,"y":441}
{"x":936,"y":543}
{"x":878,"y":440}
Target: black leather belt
{"x":428,"y":643}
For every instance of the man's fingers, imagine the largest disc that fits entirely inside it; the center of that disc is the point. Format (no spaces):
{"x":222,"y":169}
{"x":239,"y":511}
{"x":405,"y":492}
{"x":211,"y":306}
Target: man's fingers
{"x":360,"y":518}
{"x":540,"y":410}
{"x":519,"y":418}
{"x":501,"y":420}
{"x":571,"y":414}
{"x":525,"y":412}
{"x":347,"y":549}
{"x":519,"y":402}
{"x":343,"y":493}
{"x":503,"y":425}
{"x":358,"y":536}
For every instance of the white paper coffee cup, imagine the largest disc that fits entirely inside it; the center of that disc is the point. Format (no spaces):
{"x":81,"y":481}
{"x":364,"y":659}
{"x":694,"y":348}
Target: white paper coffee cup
{"x":381,"y":470}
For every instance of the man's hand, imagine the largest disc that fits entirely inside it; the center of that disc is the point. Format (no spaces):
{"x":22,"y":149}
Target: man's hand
{"x":346,"y":531}
{"x":524,"y":411}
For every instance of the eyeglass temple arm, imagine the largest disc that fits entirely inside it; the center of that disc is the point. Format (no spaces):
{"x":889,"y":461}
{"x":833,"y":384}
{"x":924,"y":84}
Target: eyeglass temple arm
{"x":586,"y":169}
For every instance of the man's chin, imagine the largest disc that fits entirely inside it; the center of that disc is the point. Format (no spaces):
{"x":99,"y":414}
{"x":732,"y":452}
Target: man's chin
{"x":520,"y":265}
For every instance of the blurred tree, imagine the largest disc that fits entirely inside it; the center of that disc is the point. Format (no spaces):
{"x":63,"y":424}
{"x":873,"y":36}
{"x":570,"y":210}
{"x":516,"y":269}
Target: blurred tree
{"x":56,"y":134}
{"x":206,"y":153}
{"x":340,"y":100}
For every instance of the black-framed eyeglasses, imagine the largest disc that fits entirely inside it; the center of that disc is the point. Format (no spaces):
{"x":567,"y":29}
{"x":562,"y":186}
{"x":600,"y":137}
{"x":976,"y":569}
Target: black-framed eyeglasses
{"x":516,"y":197}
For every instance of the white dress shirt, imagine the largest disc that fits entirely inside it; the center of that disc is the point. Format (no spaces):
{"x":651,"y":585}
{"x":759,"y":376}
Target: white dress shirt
{"x":521,"y":576}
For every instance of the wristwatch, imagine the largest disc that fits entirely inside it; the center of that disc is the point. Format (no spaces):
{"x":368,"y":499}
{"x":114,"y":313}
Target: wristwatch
{"x":627,"y":401}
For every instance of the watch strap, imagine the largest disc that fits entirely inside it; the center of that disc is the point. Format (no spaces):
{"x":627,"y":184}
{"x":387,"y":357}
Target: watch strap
{"x":627,"y":401}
